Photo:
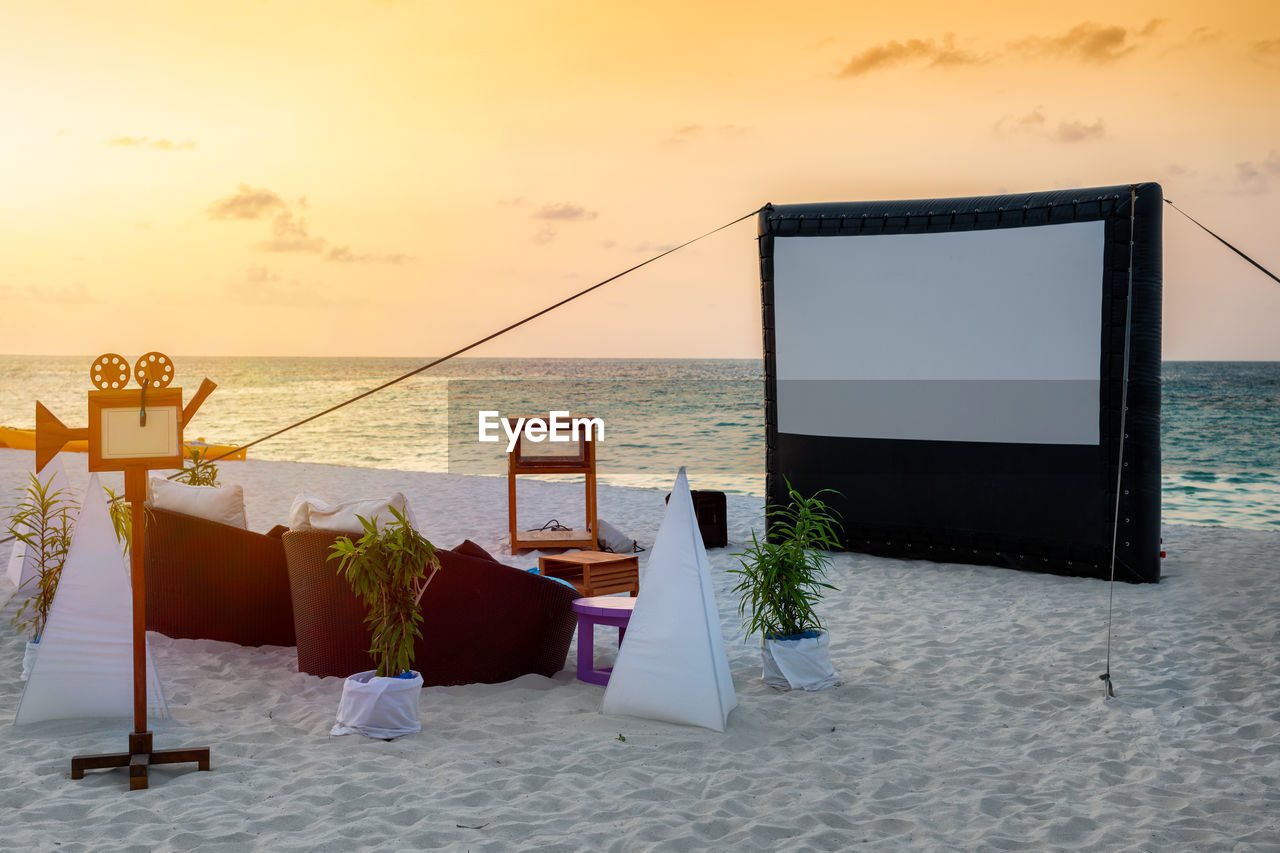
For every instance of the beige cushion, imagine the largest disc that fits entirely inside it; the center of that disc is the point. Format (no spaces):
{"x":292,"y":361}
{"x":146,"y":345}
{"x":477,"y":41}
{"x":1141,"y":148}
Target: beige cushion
{"x":310,"y":512}
{"x":223,"y":504}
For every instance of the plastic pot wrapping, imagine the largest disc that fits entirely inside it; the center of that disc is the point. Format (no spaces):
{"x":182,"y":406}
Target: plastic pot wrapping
{"x":799,"y":662}
{"x":29,"y":660}
{"x":379,"y":707}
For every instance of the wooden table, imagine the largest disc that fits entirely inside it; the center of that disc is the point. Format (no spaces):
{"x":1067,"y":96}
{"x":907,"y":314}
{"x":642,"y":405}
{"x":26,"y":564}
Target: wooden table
{"x":610,"y":610}
{"x":595,"y":572}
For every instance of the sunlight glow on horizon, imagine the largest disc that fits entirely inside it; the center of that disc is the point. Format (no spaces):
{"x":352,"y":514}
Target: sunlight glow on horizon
{"x":416,"y":175}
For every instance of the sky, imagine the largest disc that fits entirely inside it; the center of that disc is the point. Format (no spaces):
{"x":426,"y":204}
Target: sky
{"x":370,"y":178}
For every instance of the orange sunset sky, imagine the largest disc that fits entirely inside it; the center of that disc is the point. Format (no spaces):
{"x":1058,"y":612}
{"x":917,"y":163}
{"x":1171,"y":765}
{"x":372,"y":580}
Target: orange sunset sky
{"x":399,"y":178}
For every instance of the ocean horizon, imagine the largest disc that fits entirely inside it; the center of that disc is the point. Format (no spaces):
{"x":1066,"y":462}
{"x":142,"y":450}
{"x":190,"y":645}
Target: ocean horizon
{"x":1220,"y":429}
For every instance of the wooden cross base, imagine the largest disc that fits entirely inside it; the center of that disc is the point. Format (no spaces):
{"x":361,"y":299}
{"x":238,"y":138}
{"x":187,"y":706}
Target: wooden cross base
{"x":139,"y":757}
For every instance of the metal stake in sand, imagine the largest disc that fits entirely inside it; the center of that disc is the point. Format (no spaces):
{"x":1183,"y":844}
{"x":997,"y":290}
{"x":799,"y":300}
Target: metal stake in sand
{"x":130,"y":431}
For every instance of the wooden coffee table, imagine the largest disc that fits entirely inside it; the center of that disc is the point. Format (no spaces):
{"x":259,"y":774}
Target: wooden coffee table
{"x":595,"y":572}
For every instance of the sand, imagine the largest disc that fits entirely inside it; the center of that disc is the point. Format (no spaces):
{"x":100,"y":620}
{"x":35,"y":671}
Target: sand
{"x":972,"y":717}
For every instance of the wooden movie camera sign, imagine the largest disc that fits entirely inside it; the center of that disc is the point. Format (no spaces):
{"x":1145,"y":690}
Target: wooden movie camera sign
{"x":131,"y":430}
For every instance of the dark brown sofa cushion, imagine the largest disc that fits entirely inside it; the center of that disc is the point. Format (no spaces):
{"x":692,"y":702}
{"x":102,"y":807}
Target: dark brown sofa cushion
{"x":482,"y":621}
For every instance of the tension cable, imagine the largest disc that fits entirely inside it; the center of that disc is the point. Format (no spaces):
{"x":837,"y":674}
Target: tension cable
{"x":1124,"y":411}
{"x":1225,"y":243}
{"x":483,"y":340}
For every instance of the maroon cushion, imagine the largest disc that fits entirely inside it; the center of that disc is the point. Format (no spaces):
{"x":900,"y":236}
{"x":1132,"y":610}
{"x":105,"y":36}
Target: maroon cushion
{"x":471,"y":549}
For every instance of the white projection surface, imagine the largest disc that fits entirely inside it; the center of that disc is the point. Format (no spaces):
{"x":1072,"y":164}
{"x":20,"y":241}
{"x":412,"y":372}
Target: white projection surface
{"x":988,"y":335}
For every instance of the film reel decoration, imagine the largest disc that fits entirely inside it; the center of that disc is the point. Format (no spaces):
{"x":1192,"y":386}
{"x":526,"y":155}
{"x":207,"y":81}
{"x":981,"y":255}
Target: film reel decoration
{"x":116,"y":443}
{"x":110,"y":372}
{"x":153,"y":370}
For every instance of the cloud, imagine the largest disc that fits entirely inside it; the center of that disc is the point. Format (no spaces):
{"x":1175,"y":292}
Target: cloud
{"x":1032,"y":121}
{"x":1035,"y":123}
{"x":889,"y":54}
{"x":692,"y":132}
{"x":1087,"y":42}
{"x":1254,"y":178}
{"x":1250,"y":179}
{"x":560,"y":212}
{"x":142,"y":141}
{"x":564,"y":212}
{"x":289,"y":232}
{"x":1152,"y":26}
{"x":1198,"y":37}
{"x":344,"y":255}
{"x":246,"y":203}
{"x":1178,"y":170}
{"x":686,"y":133}
{"x":291,"y":235}
{"x":653,"y":248}
{"x":263,"y":287}
{"x":1267,"y":52}
{"x":1078,"y":131}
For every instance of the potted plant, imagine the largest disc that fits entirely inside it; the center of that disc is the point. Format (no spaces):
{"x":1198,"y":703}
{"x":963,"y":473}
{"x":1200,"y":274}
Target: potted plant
{"x":780,"y":582}
{"x":43,"y":520}
{"x":388,"y":570}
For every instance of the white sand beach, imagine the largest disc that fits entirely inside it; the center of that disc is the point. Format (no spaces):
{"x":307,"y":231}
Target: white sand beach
{"x":972,"y":717}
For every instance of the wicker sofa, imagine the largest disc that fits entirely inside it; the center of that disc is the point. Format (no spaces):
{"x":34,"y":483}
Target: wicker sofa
{"x":482,"y":621}
{"x":211,"y":581}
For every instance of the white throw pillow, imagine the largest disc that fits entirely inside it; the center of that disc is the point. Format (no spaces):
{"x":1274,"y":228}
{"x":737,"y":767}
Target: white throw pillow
{"x":300,"y":512}
{"x":312,"y":513}
{"x":223,"y":504}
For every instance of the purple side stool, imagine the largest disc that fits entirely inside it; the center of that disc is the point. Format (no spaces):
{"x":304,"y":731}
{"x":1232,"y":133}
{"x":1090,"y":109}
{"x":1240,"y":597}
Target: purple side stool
{"x":612,"y":610}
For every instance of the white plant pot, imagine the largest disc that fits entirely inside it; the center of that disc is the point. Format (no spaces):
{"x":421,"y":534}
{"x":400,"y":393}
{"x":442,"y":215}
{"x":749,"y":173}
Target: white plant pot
{"x":29,"y":660}
{"x":379,"y":707}
{"x":800,"y":662}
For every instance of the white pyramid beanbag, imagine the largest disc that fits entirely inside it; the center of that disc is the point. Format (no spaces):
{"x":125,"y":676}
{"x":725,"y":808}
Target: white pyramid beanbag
{"x":85,"y":664}
{"x":672,"y":665}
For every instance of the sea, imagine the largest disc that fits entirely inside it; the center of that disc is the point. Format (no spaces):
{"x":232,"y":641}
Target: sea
{"x":1220,"y":434}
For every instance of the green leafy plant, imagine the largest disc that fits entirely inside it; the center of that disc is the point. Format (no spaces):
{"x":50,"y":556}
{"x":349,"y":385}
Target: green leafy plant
{"x":780,"y":578}
{"x":43,"y":519}
{"x":121,"y":517}
{"x":389,"y":571}
{"x":199,"y":472}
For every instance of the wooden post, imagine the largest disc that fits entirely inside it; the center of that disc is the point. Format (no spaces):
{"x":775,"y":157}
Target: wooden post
{"x":135,"y":492}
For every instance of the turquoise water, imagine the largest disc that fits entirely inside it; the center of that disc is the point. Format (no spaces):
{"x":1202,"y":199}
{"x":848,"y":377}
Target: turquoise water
{"x":1220,"y":440}
{"x":1220,"y":446}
